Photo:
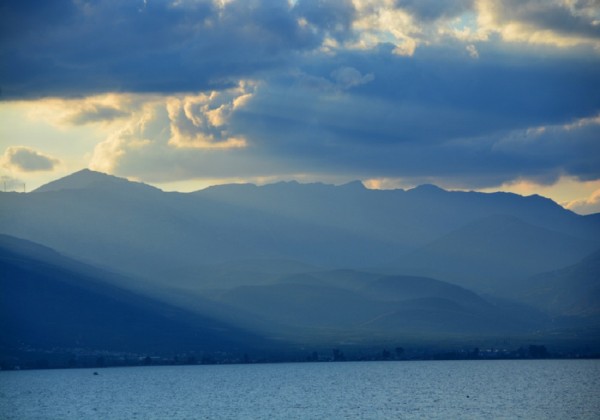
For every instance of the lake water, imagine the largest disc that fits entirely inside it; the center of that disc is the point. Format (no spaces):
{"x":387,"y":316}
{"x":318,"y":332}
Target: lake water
{"x":534,"y":389}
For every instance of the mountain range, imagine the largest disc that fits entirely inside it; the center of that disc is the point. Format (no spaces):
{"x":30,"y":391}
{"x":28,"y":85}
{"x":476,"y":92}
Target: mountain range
{"x":246,"y":266}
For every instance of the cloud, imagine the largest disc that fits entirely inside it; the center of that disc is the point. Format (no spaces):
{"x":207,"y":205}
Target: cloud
{"x":588,"y":205}
{"x":97,"y":109}
{"x":94,"y":114}
{"x":333,"y":18}
{"x":562,"y":23}
{"x":336,"y":133}
{"x":572,"y":149}
{"x":66,"y":48}
{"x":472,"y":50}
{"x":26,"y":159}
{"x":202,"y":121}
{"x":431,"y":97}
{"x":459,"y":92}
{"x":561,"y":17}
{"x":146,"y":125}
{"x":438,"y":115}
{"x":73,"y":48}
{"x":177,"y":137}
{"x":348,"y":77}
{"x":378,"y":22}
{"x":431,"y":10}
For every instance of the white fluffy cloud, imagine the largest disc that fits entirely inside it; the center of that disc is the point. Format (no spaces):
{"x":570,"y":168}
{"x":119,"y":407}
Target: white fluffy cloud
{"x":165,"y":130}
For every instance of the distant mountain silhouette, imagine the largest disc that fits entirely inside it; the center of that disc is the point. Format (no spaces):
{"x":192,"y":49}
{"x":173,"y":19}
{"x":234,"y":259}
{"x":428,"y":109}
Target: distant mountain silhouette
{"x":367,"y":305}
{"x":299,"y":260}
{"x":87,"y":179}
{"x":412,"y":218}
{"x":137,"y":229}
{"x":139,"y":232}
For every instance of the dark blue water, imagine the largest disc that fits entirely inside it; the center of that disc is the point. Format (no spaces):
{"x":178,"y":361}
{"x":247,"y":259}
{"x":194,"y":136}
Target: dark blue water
{"x":536,"y":389}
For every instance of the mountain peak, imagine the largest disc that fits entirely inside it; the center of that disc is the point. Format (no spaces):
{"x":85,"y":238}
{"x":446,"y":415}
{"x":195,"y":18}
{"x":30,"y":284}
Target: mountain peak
{"x":427,"y":188}
{"x":88,"y":179}
{"x":353,"y":185}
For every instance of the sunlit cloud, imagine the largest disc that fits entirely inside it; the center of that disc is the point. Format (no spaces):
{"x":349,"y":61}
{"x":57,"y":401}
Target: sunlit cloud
{"x":586,"y":205}
{"x":118,"y":144}
{"x":99,"y":109}
{"x":146,"y":125}
{"x":166,"y":129}
{"x":381,"y":21}
{"x":201,"y":121}
{"x":385,"y":184}
{"x":569,"y":192}
{"x":560,"y":23}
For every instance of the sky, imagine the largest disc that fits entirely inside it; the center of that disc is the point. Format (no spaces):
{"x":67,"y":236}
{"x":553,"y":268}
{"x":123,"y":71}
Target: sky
{"x":467,"y":94}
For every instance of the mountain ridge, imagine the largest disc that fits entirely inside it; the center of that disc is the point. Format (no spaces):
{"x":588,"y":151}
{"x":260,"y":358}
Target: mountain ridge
{"x":89,"y":179}
{"x":290,"y":245}
{"x":487,"y":246}
{"x":113,"y":222}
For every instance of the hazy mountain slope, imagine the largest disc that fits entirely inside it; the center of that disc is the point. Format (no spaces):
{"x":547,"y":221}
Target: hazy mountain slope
{"x":571,"y":291}
{"x":365,"y":305}
{"x":342,"y":278}
{"x":495,"y":254}
{"x":347,"y":207}
{"x":426,"y":304}
{"x":46,"y":303}
{"x":301,"y":305}
{"x":147,"y":231}
{"x":188,"y":240}
{"x":234,"y":273}
{"x":411,"y":218}
{"x":401,"y":288}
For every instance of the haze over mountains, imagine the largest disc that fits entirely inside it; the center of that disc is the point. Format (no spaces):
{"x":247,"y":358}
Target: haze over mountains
{"x":299,"y":263}
{"x":48,"y":300}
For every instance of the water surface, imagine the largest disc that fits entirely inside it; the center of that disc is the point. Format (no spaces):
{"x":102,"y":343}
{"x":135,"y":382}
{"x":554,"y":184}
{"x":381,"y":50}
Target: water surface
{"x":534,"y":389}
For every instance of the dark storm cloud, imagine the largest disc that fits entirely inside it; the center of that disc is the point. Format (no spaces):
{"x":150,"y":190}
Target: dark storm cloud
{"x":479,"y":119}
{"x":69,"y":48}
{"x":429,"y":10}
{"x":435,"y":95}
{"x":434,"y":114}
{"x":26,"y":159}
